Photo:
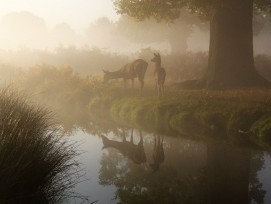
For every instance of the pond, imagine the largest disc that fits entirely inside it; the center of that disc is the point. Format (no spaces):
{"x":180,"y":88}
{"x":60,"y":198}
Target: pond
{"x":161,"y":169}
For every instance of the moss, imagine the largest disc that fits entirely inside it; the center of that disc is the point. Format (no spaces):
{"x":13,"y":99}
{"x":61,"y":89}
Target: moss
{"x":242,"y":120}
{"x":214,"y":123}
{"x":197,"y":114}
{"x":262,"y":129}
{"x":186,"y":124}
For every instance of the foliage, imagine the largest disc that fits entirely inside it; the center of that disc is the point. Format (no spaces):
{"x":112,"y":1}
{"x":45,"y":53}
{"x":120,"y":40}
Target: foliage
{"x":85,"y":60}
{"x":61,"y":89}
{"x":262,"y":128}
{"x":185,"y":66}
{"x":192,"y":172}
{"x":228,"y":68}
{"x":169,"y":10}
{"x":179,"y":67}
{"x":36,"y":165}
{"x":150,"y":31}
{"x":69,"y":94}
{"x":200,"y":113}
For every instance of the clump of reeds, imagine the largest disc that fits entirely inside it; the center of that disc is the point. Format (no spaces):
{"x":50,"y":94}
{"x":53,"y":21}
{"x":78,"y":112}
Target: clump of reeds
{"x":36,"y":165}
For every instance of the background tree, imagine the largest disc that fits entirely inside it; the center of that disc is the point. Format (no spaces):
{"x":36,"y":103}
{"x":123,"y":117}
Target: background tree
{"x":231,"y":62}
{"x":150,"y":31}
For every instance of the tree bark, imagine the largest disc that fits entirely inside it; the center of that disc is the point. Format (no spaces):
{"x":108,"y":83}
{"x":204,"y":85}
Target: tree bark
{"x":231,"y":60}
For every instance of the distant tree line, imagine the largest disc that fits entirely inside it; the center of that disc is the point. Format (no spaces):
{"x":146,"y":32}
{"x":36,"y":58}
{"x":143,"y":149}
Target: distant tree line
{"x":179,"y":67}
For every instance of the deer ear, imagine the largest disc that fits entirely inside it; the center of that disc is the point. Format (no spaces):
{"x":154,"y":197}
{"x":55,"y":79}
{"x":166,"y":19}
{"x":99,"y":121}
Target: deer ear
{"x":154,"y":54}
{"x":158,"y":54}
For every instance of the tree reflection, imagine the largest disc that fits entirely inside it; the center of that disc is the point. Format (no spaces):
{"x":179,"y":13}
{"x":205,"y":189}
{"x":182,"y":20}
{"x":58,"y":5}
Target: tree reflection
{"x":232,"y":174}
{"x":137,"y":183}
{"x":191,"y":173}
{"x":158,"y":153}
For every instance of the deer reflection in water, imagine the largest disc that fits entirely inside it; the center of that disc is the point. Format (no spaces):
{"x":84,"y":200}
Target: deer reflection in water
{"x":135,"y":152}
{"x":158,"y":153}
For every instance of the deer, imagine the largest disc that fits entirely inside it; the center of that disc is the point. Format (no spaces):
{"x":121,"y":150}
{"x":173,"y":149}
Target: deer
{"x":158,"y":153}
{"x":159,"y":74}
{"x":134,"y":152}
{"x":135,"y":69}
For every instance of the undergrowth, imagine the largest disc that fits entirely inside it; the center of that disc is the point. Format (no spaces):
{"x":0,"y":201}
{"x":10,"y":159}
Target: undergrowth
{"x":36,"y":165}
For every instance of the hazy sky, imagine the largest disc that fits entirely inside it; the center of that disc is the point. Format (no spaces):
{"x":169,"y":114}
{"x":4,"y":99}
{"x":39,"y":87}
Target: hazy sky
{"x":77,"y":13}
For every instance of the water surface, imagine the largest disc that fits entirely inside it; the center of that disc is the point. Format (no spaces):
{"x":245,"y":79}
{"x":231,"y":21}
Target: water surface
{"x":160,"y":169}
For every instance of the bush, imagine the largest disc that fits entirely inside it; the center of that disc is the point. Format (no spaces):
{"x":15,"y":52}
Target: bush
{"x":36,"y":166}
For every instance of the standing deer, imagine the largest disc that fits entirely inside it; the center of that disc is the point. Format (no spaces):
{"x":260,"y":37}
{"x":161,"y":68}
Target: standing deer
{"x":159,"y":74}
{"x":134,"y":152}
{"x":131,"y":70}
{"x":158,"y":153}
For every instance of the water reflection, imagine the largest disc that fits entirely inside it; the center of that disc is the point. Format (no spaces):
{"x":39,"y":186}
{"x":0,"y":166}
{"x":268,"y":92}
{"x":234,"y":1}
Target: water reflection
{"x":232,"y":174}
{"x":135,"y":152}
{"x":158,"y":153}
{"x":172,"y":183}
{"x":153,"y":168}
{"x":193,"y":172}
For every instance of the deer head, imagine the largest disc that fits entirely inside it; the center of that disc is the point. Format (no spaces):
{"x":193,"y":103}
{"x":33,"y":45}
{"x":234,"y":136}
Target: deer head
{"x":106,"y":75}
{"x":156,"y":58}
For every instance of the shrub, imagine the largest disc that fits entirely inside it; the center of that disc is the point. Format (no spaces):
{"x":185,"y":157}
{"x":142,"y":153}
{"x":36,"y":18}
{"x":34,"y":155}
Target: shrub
{"x":36,"y":165}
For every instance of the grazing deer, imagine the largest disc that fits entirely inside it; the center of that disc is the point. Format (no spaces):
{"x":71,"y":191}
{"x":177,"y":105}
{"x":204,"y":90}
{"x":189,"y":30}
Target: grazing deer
{"x":131,"y":70}
{"x":158,"y":153}
{"x":134,"y":152}
{"x":159,"y":74}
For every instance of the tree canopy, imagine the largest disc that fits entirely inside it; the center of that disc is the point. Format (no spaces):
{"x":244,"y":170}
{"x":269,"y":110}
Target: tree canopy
{"x":231,"y":62}
{"x":169,"y":10}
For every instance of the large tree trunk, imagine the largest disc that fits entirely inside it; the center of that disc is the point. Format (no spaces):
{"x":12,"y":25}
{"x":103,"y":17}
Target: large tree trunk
{"x":231,"y":63}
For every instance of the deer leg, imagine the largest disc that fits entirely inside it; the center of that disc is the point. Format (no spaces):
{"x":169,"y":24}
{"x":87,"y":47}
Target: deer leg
{"x":162,"y":89}
{"x":132,"y":138}
{"x":141,"y":138}
{"x":142,"y":86}
{"x":140,"y":133}
{"x":159,"y":90}
{"x":124,"y":83}
{"x":132,"y":83}
{"x":155,"y":141}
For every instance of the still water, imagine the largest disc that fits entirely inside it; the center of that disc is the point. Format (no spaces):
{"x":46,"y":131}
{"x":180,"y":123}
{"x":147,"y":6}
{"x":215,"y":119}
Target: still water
{"x":159,"y":169}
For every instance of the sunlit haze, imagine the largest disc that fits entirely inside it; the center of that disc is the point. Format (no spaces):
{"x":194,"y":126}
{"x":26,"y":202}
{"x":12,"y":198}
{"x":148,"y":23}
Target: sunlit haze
{"x":49,"y":24}
{"x":77,"y":13}
{"x":46,"y":24}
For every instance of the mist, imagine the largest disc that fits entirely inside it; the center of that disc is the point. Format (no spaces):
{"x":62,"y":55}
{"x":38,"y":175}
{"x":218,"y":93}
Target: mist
{"x":26,"y":41}
{"x":26,"y":30}
{"x":152,"y":82}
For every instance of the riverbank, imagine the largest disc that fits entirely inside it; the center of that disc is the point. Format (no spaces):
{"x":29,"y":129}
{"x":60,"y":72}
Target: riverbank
{"x":238,"y":115}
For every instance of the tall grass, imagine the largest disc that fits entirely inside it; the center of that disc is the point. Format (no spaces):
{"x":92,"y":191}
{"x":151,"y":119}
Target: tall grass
{"x":36,"y":165}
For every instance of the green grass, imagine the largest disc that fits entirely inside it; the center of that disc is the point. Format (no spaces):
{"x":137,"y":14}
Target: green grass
{"x":197,"y":114}
{"x":36,"y":166}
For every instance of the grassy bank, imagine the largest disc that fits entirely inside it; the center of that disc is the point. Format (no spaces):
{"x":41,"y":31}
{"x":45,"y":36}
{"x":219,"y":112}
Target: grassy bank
{"x":196,"y":114}
{"x":36,"y":166}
